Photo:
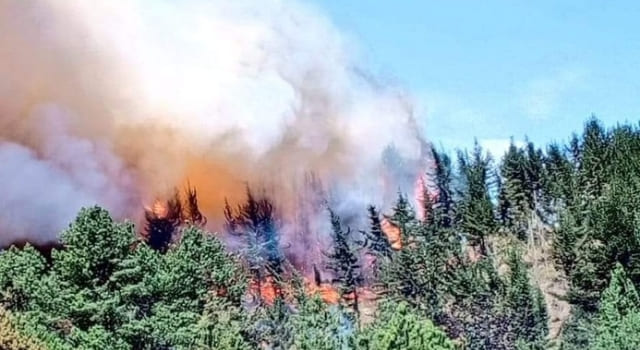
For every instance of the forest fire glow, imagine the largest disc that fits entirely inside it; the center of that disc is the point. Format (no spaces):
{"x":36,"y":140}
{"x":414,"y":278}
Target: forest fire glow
{"x":160,"y":209}
{"x":268,"y":291}
{"x":245,"y":98}
{"x":392,"y":232}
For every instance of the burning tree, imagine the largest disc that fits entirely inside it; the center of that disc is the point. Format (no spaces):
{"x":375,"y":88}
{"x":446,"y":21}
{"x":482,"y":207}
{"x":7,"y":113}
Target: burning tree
{"x":255,"y":222}
{"x":191,"y":214}
{"x":164,"y":218}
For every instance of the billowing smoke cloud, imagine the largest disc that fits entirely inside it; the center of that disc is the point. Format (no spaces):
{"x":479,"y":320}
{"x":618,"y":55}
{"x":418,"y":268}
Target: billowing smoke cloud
{"x":117,"y":102}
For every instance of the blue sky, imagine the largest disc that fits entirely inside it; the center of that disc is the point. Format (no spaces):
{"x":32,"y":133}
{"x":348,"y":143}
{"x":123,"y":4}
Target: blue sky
{"x":497,"y":69}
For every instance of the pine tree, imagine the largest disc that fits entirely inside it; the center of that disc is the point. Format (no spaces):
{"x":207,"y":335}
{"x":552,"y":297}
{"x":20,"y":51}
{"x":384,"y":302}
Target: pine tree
{"x":162,"y":226}
{"x":608,"y":234}
{"x":588,"y":277}
{"x":526,"y":308}
{"x":255,"y":221}
{"x":443,"y":206}
{"x":618,"y":323}
{"x":403,"y":215}
{"x":594,"y":152}
{"x":515,"y":199}
{"x":343,"y":262}
{"x":222,"y":327}
{"x":103,"y":289}
{"x":560,"y":177}
{"x":21,"y":275}
{"x":475,"y":213}
{"x":11,"y":338}
{"x":318,"y":327}
{"x":375,"y":240}
{"x":192,"y":214}
{"x":397,"y":326}
{"x":418,"y":273}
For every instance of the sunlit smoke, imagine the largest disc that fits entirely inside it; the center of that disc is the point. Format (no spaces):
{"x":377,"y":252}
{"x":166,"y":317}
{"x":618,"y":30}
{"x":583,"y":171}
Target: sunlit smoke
{"x":117,"y":102}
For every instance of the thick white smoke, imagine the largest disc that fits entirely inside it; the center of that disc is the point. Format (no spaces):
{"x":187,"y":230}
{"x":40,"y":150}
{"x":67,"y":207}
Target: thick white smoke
{"x":115,"y":102}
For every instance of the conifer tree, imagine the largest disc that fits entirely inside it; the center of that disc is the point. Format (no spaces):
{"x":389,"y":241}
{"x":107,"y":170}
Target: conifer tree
{"x":316,"y":326}
{"x":515,"y":199}
{"x":103,"y":289}
{"x":559,"y":181}
{"x":594,"y":152}
{"x":618,"y":323}
{"x":343,"y":262}
{"x":399,"y":327}
{"x":417,"y":273}
{"x":255,"y":221}
{"x":443,"y":206}
{"x":527,"y":311}
{"x":375,"y":240}
{"x":475,"y":211}
{"x":161,"y":228}
{"x":192,"y":214}
{"x":11,"y":338}
{"x":403,"y":215}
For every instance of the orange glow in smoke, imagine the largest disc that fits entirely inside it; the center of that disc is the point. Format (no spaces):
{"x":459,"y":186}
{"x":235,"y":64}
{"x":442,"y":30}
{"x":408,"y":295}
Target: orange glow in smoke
{"x":214,"y":180}
{"x":393,"y":233}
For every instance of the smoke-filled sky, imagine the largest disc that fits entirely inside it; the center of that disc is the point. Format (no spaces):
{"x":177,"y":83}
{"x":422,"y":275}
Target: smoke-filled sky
{"x":500,"y":68}
{"x":117,"y":102}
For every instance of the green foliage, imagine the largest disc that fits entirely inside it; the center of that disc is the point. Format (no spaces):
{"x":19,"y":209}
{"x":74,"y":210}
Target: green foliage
{"x":475,"y":209}
{"x":375,"y":241}
{"x":399,"y":327}
{"x":521,"y":195}
{"x":319,"y":327}
{"x":21,"y":273}
{"x":222,"y":326}
{"x":618,"y":322}
{"x":11,"y":338}
{"x":577,"y":333}
{"x":417,"y":273}
{"x":443,"y":210}
{"x":525,"y":305}
{"x":596,"y":184}
{"x":103,"y":290}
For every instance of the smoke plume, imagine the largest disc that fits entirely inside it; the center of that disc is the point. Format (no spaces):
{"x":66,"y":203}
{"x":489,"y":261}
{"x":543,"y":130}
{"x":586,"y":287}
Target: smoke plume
{"x":117,"y":102}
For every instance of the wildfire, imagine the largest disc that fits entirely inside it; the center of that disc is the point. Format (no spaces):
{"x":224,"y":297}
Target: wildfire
{"x":420,"y":195}
{"x":268,"y":290}
{"x":325,"y":290}
{"x":160,"y":209}
{"x":393,"y":233}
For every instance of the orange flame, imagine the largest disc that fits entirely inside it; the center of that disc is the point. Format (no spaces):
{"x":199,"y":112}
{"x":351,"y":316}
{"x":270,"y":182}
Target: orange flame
{"x":393,"y":233}
{"x":160,"y":209}
{"x":326,"y":291}
{"x":267,"y":291}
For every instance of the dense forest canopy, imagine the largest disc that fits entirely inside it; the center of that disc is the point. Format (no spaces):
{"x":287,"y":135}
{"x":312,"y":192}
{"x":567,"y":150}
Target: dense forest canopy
{"x":533,"y":250}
